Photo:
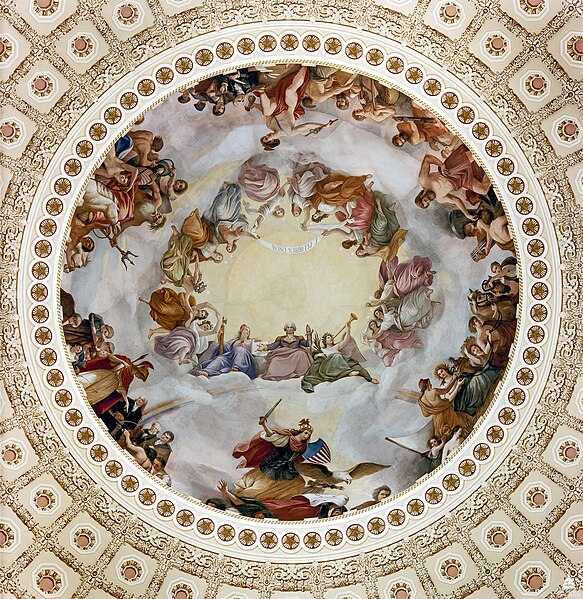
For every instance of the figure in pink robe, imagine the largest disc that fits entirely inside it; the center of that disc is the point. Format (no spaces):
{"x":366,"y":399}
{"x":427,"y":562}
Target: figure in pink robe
{"x":387,"y":344}
{"x":460,"y":171}
{"x":356,"y":215}
{"x":259,"y":181}
{"x":398,"y":280}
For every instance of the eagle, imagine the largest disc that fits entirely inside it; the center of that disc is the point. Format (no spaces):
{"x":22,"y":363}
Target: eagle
{"x":323,"y":478}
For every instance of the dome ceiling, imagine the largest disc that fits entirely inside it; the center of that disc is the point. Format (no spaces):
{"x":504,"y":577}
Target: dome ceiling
{"x":243,"y":245}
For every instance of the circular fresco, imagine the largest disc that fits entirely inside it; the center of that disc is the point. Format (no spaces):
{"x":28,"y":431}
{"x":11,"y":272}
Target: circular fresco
{"x":290,"y":291}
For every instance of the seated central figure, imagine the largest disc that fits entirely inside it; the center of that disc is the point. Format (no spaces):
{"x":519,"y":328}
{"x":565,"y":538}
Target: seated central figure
{"x":289,"y":355}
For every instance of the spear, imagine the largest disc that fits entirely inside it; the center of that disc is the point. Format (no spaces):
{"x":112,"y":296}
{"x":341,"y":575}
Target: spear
{"x":420,"y":119}
{"x":423,"y":455}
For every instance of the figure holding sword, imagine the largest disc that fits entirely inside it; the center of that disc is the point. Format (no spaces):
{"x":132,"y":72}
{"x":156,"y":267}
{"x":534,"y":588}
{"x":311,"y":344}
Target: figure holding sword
{"x":274,"y":456}
{"x":263,"y":419}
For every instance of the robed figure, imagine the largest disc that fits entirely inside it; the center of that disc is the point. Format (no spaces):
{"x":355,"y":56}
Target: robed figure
{"x":335,"y":361}
{"x":289,"y":355}
{"x":106,"y":381}
{"x":273,"y":456}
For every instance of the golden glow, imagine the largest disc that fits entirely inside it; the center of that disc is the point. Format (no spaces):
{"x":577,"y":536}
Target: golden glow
{"x":264,"y":289}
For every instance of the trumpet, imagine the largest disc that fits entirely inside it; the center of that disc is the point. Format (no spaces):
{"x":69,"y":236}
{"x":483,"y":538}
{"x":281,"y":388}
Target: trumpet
{"x":352,"y":317}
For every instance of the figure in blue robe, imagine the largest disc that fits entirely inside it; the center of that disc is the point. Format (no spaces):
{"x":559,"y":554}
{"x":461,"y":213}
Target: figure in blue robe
{"x":236,"y":357}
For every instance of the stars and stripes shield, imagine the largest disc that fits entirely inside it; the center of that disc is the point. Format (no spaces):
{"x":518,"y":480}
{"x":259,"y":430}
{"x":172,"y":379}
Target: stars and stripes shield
{"x":317,"y":453}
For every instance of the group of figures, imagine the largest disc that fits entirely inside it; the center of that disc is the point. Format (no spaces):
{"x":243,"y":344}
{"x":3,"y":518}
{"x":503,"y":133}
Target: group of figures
{"x":106,"y":378}
{"x":131,"y":187}
{"x":467,"y":382}
{"x":283,"y":93}
{"x":134,"y":185}
{"x":287,"y":476}
{"x":364,"y":217}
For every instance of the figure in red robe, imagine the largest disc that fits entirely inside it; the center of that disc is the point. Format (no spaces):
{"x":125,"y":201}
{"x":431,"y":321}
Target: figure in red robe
{"x":272,"y":456}
{"x":307,"y":505}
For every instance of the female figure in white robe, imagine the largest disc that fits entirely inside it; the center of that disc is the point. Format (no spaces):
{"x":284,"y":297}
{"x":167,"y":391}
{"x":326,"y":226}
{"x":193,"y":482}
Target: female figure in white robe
{"x":225,"y":219}
{"x":305,"y":176}
{"x":414,"y":311}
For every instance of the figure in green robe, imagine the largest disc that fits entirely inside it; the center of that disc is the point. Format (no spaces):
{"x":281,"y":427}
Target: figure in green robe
{"x":336,"y":361}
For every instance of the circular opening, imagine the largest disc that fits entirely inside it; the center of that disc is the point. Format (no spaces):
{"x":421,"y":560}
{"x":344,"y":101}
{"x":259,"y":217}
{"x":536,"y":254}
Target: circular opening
{"x":83,"y":541}
{"x":499,"y":538}
{"x":127,"y":12}
{"x":44,"y":4}
{"x":402,"y":594}
{"x":569,"y":129}
{"x":80,"y":44}
{"x":8,"y":130}
{"x":2,"y":47}
{"x":40,"y":84}
{"x":9,"y":455}
{"x":47,"y":584}
{"x":534,"y":3}
{"x":451,"y":11}
{"x":578,"y":46}
{"x":130,"y":573}
{"x":180,"y":594}
{"x":4,"y":538}
{"x":497,"y":43}
{"x":452,"y":571}
{"x":537,"y":83}
{"x":578,"y":534}
{"x":535,"y":582}
{"x":571,"y":452}
{"x":293,"y":257}
{"x":42,"y":501}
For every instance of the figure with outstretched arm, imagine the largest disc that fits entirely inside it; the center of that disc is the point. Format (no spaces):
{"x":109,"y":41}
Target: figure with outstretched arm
{"x":400,"y":279}
{"x":334,"y":361}
{"x":282,"y":107}
{"x":237,"y":356}
{"x":458,"y":172}
{"x":289,"y":355}
{"x":299,"y":507}
{"x":438,"y":403}
{"x":171,"y":309}
{"x":272,"y":455}
{"x":143,"y":456}
{"x":186,"y":343}
{"x":251,"y":508}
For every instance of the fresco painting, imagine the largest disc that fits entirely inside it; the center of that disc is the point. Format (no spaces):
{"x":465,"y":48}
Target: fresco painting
{"x":290,"y":292}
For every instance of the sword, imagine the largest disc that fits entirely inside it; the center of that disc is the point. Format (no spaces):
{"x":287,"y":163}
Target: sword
{"x":270,"y":412}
